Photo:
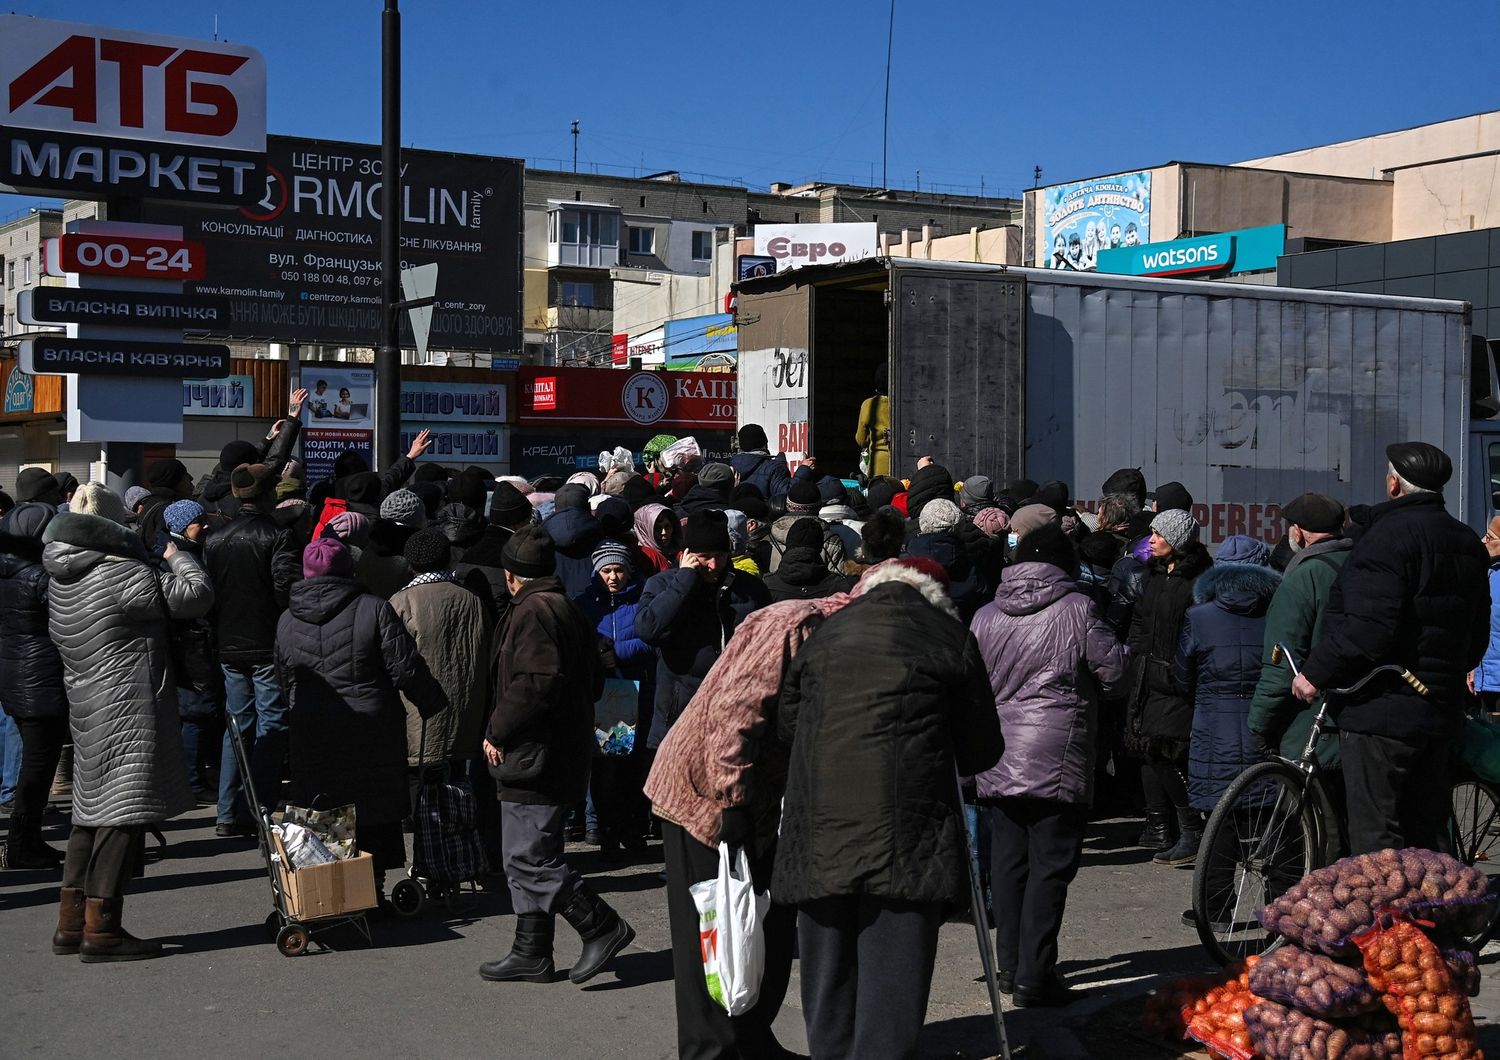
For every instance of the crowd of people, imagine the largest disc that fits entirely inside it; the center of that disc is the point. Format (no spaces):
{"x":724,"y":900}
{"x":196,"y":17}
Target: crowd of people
{"x":825,"y":675}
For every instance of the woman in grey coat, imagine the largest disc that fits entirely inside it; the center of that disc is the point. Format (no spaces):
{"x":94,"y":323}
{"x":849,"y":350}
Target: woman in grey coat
{"x":1048,"y":651}
{"x":108,"y":610}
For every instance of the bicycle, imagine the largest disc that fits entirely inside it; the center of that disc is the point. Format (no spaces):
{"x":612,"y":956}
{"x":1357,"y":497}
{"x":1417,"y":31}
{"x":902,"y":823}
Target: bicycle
{"x":1275,"y":823}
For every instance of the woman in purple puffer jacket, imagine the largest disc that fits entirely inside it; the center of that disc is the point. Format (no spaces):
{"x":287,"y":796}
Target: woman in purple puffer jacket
{"x":1048,"y":651}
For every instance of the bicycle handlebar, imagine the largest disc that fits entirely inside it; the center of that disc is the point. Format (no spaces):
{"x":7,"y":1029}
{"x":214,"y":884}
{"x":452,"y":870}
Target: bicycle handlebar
{"x":1281,"y":652}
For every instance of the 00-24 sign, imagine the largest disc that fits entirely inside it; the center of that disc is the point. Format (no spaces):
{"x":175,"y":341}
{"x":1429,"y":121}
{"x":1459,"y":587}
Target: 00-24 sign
{"x":101,"y":255}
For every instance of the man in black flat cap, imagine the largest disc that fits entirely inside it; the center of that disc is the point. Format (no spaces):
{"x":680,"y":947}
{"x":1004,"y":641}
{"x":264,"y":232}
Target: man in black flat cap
{"x":1414,"y":591}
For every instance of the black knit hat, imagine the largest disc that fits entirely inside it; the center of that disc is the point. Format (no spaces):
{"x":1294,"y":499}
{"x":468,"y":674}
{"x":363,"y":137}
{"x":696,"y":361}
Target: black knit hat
{"x":1423,"y":465}
{"x":529,"y":553}
{"x":752,"y":436}
{"x":166,"y":473}
{"x":804,"y":497}
{"x":37,"y":484}
{"x":427,"y":551}
{"x":571,"y":495}
{"x":509,"y":506}
{"x":1049,"y":544}
{"x":238,"y":452}
{"x":883,"y":535}
{"x":1171,"y":495}
{"x":805,"y":533}
{"x":1128,"y":481}
{"x":707,"y":533}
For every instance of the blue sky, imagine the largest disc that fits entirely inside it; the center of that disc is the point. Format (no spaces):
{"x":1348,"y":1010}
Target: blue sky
{"x":981,"y":91}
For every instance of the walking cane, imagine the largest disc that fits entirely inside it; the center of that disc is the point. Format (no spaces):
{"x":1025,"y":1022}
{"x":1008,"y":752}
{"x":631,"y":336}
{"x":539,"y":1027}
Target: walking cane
{"x":981,"y":932}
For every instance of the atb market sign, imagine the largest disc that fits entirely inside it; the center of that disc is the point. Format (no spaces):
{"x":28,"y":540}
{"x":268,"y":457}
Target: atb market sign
{"x":100,"y":113}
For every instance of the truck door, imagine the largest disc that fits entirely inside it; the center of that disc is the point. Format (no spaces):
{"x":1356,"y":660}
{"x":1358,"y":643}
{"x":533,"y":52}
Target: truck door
{"x":958,"y":352}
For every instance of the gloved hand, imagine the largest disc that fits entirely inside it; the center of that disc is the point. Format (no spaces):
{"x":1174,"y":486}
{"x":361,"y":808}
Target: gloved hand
{"x":1264,"y":746}
{"x":736,"y":827}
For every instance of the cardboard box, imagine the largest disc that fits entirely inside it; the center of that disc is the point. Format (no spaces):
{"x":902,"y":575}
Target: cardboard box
{"x":344,"y":886}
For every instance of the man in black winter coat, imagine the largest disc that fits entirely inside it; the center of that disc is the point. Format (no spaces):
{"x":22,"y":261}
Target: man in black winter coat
{"x":252,"y":562}
{"x":1415,"y":592}
{"x":539,"y":739}
{"x":690,"y":613}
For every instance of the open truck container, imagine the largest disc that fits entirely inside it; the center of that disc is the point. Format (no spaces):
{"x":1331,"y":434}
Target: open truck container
{"x":1247,"y":395}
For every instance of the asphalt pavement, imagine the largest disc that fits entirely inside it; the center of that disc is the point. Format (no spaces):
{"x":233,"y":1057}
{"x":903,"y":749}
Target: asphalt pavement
{"x":225,"y":991}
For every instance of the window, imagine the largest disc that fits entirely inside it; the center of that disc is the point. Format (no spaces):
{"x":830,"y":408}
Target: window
{"x":1495,"y":476}
{"x":10,"y":271}
{"x":642,"y":240}
{"x":587,"y":227}
{"x":26,"y":269}
{"x":703,"y":246}
{"x":576,"y":294}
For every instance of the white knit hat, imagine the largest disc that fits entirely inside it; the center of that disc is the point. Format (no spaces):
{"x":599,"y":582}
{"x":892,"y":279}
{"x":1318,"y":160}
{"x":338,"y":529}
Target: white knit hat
{"x":938,"y":515}
{"x":95,"y":498}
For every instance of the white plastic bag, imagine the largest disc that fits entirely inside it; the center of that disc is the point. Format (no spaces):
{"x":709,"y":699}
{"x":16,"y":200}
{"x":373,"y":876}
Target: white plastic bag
{"x":679,"y":452}
{"x":303,"y":846}
{"x":731,"y":928}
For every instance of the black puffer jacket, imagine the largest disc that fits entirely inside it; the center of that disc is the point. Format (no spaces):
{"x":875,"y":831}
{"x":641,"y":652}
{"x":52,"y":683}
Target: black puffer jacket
{"x":31,"y":671}
{"x":1159,"y":720}
{"x":341,"y":656}
{"x":214,"y":491}
{"x":879,"y":706}
{"x":252,"y":563}
{"x":803,"y":575}
{"x":1414,"y":591}
{"x":690,"y":622}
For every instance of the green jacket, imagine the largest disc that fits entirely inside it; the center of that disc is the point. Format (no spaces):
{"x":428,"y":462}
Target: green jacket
{"x":1295,"y":619}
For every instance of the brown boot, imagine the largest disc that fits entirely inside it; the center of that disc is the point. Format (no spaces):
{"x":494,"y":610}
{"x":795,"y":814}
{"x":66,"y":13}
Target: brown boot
{"x":105,"y":940}
{"x":69,"y":921}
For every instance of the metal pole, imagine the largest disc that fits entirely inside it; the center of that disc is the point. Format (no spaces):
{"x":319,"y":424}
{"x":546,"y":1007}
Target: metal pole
{"x":388,"y":353}
{"x":982,"y":932}
{"x":575,"y":147}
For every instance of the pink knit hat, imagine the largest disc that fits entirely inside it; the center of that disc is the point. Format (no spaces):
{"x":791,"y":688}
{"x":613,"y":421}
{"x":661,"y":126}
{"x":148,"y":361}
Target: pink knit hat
{"x":327,"y":556}
{"x":992,"y":522}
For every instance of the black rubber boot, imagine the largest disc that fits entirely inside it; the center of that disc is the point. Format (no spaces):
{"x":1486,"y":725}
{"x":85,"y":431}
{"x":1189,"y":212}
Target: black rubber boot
{"x":1159,"y":834}
{"x":604,"y":932}
{"x":530,"y":957}
{"x":1185,"y":852}
{"x":25,"y":849}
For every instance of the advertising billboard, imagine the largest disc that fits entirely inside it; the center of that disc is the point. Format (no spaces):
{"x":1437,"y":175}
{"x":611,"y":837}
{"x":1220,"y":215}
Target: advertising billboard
{"x":1083,"y":218}
{"x":302,"y":263}
{"x":338,"y":396}
{"x":99,"y":113}
{"x":705,"y":343}
{"x":792,"y":246}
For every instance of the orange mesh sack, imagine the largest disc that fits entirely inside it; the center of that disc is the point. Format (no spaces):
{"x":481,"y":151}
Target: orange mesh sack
{"x":1219,"y":1025}
{"x":1420,"y":991}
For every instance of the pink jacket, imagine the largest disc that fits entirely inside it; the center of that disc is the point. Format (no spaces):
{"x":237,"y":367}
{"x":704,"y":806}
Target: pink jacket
{"x":719,"y":752}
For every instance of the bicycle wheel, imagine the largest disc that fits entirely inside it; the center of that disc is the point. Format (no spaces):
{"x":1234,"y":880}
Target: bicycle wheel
{"x":1476,"y":841}
{"x":1262,"y":837}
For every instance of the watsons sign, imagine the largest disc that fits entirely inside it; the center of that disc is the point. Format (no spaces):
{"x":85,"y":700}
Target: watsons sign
{"x":1246,"y":250}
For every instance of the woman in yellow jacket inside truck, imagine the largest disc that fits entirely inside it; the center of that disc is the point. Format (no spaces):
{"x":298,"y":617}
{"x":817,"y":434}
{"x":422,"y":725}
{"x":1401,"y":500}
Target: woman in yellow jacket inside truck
{"x":873,"y":435}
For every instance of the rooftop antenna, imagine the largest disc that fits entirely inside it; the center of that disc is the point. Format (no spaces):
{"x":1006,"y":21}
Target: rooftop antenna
{"x":575,"y":146}
{"x":1036,"y":176}
{"x":216,"y":27}
{"x":885,"y":122}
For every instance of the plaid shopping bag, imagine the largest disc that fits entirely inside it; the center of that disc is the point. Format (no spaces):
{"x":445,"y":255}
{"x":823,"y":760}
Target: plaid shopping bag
{"x":445,"y":836}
